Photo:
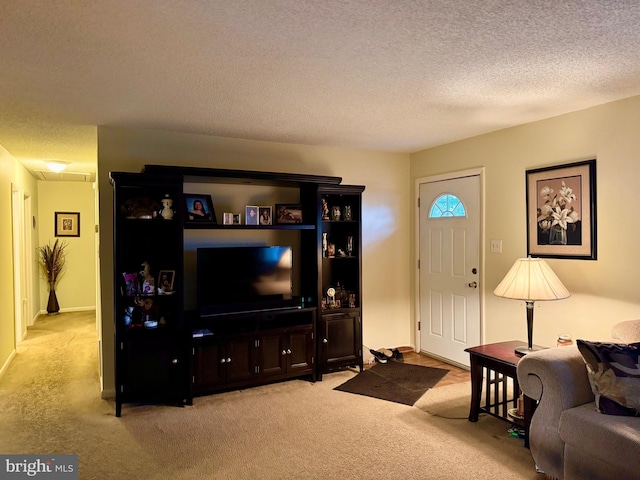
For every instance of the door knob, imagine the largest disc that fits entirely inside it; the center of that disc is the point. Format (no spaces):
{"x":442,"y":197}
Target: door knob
{"x":473,"y":284}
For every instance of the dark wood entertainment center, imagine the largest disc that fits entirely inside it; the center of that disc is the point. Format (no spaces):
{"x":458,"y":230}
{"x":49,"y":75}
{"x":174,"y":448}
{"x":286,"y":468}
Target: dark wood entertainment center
{"x":165,"y":351}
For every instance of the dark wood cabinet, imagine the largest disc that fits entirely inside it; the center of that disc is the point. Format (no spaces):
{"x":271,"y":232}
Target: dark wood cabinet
{"x":341,"y":340}
{"x":340,"y":272}
{"x":280,"y":345}
{"x":158,"y":356}
{"x":150,"y":338}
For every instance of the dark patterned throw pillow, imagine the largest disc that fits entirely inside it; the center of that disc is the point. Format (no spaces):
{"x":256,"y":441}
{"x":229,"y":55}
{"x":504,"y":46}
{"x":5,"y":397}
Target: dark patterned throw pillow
{"x":614,"y":374}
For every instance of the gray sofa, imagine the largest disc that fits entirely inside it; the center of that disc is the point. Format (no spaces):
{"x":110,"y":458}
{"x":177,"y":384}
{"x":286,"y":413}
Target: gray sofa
{"x":569,"y":439}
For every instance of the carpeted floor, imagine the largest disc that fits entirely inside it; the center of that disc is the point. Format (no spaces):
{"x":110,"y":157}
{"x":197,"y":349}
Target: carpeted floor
{"x":50,"y":403}
{"x":394,"y":381}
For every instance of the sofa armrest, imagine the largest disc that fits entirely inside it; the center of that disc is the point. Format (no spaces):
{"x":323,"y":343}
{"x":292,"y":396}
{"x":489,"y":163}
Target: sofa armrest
{"x":557,"y":379}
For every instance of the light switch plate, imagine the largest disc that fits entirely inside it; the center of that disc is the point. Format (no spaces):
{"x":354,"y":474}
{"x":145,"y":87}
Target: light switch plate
{"x":496,"y":246}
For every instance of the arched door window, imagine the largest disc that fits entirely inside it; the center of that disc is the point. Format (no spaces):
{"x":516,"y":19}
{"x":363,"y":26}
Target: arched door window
{"x":447,"y":205}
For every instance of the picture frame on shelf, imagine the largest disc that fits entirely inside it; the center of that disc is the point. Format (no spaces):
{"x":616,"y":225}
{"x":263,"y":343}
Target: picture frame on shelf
{"x":288,"y":213}
{"x":229,"y":218}
{"x":251,"y":215}
{"x":166,"y":280}
{"x":265,"y":215}
{"x":561,"y":211}
{"x":67,"y":224}
{"x":199,"y":208}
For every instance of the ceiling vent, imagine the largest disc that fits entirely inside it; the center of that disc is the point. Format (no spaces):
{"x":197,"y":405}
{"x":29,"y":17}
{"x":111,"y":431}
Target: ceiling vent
{"x":63,"y":176}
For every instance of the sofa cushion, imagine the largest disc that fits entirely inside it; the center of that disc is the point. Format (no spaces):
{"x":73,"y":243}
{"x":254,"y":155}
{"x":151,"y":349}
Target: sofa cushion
{"x":613,"y":440}
{"x":614,"y":374}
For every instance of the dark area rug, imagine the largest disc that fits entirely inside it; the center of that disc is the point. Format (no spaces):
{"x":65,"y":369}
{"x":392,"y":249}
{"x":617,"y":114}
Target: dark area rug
{"x":394,"y":381}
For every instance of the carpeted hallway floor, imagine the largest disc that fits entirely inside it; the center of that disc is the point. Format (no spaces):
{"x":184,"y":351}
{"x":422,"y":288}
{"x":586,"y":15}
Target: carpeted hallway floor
{"x":50,"y":403}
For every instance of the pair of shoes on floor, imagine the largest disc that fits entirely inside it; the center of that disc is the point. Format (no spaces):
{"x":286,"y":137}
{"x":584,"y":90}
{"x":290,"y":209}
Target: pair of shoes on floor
{"x":382,"y":354}
{"x":397,"y":355}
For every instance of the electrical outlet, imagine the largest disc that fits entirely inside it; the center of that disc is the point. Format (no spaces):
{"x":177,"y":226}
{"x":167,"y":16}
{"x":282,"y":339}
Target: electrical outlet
{"x":496,"y":246}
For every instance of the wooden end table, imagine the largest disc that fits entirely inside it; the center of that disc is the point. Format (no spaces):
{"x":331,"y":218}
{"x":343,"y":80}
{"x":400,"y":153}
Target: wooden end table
{"x":500,"y":362}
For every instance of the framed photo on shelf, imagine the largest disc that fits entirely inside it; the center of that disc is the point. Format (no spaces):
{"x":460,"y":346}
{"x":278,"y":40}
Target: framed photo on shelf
{"x":231,"y":218}
{"x":561,"y":211}
{"x":288,"y":213}
{"x":199,"y":208}
{"x":265,"y":215}
{"x":67,"y":224}
{"x":165,"y":282}
{"x":251,"y":215}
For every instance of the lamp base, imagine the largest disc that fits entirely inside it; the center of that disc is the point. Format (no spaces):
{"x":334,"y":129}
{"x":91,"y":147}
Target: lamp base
{"x":523,"y":350}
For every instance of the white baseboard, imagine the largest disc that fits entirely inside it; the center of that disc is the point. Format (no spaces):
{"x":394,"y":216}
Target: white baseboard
{"x":5,"y":367}
{"x":72,"y":309}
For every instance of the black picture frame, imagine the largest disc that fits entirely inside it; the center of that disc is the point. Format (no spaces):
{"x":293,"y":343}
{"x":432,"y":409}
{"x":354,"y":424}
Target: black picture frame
{"x":191,"y":208}
{"x":166,"y":280}
{"x":287,"y":213}
{"x":67,"y":224}
{"x":561,"y":211}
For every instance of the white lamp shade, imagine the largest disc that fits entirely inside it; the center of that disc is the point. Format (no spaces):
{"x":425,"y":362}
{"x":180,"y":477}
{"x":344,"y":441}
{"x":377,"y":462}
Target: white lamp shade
{"x":531,"y":279}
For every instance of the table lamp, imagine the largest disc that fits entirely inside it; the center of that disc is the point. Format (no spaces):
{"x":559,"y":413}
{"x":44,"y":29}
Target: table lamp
{"x":531,"y":279}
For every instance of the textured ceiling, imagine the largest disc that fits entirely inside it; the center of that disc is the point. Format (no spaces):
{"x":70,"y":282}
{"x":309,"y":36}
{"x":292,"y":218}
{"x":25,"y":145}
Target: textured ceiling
{"x":389,"y":75}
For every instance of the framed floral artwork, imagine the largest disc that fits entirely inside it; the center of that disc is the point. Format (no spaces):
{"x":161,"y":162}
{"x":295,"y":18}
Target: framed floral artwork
{"x":67,"y":224}
{"x":561,"y":211}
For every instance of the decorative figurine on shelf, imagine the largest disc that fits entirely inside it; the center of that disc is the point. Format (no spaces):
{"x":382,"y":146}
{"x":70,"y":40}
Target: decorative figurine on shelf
{"x":148,"y":282}
{"x":336,"y":213}
{"x":325,"y":210}
{"x":324,"y":245}
{"x":348,"y":216}
{"x":331,"y":250}
{"x":350,"y":245}
{"x":166,"y":211}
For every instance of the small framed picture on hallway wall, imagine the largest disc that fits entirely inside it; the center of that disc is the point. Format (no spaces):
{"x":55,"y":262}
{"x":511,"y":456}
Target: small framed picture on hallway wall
{"x":67,"y":224}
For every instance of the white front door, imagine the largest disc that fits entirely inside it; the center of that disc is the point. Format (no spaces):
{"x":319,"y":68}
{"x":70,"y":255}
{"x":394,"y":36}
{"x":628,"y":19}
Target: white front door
{"x":449,"y":276}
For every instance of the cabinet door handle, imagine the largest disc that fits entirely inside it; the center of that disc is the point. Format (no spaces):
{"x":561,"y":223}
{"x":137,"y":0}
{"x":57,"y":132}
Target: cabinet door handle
{"x":229,"y":360}
{"x":324,"y":340}
{"x":174,"y":361}
{"x":223,"y":360}
{"x":288,"y":351}
{"x":284,"y":352}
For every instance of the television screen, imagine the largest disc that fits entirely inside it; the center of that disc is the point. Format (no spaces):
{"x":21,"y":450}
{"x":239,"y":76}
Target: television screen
{"x":235,"y":279}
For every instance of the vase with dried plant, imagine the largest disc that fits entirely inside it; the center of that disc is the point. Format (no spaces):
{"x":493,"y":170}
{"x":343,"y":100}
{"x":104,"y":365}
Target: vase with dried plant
{"x":52,"y":262}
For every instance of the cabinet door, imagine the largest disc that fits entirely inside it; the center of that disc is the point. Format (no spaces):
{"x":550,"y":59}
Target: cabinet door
{"x":151,"y":369}
{"x":273,"y":354}
{"x":208,"y":370}
{"x":342,"y":342}
{"x":300,"y":351}
{"x":240,"y":359}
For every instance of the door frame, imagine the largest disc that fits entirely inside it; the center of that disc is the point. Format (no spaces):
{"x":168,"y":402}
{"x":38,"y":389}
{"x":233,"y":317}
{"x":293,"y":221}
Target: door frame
{"x":481,"y":245}
{"x":22,"y":239}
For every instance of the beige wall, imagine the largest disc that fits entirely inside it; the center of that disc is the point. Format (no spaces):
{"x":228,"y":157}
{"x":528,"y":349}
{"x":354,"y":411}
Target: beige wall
{"x":386,"y":211}
{"x":76,"y":289}
{"x":603,"y":291}
{"x":11,"y":173}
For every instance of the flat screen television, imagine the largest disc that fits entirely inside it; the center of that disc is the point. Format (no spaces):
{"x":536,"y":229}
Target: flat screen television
{"x":239,"y":279}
